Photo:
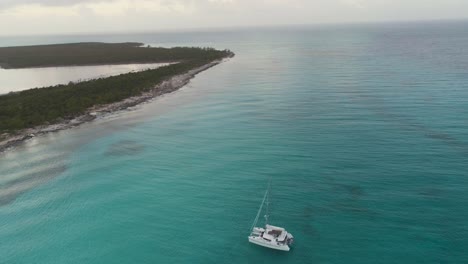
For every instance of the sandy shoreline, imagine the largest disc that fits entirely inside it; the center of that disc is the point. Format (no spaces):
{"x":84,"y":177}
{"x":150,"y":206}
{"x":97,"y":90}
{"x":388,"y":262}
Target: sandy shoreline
{"x":168,"y":86}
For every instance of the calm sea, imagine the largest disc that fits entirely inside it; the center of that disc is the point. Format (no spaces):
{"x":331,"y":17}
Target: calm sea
{"x":363,"y":130}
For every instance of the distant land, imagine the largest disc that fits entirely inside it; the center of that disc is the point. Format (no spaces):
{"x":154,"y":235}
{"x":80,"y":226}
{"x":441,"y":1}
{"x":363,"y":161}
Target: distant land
{"x":41,"y":110}
{"x":95,"y":53}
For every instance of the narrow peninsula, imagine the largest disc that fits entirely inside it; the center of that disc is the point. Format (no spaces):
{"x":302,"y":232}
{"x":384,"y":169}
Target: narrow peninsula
{"x":42,"y":110}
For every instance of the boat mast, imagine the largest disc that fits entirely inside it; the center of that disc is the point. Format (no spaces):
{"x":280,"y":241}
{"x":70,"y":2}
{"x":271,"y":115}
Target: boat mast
{"x":267,"y":202}
{"x":259,"y":211}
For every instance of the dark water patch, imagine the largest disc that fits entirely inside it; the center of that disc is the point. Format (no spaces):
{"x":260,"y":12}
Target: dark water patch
{"x":445,"y":138}
{"x":378,"y":106}
{"x":312,"y":212}
{"x":441,"y":136}
{"x":346,"y":206}
{"x":125,"y":148}
{"x":430,"y":192}
{"x":308,"y":212}
{"x":310,"y":230}
{"x":349,"y":199}
{"x":355,"y":192}
{"x":456,"y":237}
{"x":10,"y":190}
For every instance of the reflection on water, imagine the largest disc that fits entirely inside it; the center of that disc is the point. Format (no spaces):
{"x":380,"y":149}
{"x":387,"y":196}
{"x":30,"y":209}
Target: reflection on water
{"x":10,"y":190}
{"x":13,"y":80}
{"x":23,"y":171}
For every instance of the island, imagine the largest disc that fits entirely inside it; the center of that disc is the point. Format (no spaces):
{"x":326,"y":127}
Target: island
{"x":42,"y":110}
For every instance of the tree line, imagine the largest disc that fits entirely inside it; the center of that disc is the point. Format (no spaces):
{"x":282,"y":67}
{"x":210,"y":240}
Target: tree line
{"x":47,"y":105}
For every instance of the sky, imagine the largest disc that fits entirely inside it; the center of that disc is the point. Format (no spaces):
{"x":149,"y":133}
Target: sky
{"x":31,"y":17}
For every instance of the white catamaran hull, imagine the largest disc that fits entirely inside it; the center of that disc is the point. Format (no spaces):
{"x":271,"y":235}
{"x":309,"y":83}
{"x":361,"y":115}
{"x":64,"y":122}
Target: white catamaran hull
{"x":261,"y":242}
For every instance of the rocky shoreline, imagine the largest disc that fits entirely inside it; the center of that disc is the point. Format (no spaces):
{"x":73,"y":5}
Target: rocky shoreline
{"x":174,"y":83}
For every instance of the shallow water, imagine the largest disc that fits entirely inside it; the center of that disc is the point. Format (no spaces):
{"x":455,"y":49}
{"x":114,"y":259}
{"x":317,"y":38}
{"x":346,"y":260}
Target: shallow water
{"x":14,"y":80}
{"x":362,"y":129}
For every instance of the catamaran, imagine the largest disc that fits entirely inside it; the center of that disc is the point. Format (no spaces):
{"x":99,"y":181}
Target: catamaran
{"x":270,"y":236}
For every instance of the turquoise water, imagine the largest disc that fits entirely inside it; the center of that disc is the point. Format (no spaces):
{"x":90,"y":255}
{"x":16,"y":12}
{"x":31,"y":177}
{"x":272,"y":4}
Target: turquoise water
{"x":363,"y":130}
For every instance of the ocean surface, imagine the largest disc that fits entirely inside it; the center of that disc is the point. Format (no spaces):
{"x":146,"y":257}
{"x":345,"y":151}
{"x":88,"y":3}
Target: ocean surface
{"x":363,"y":130}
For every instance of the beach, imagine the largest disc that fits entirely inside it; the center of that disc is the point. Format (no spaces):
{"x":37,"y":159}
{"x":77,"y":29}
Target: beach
{"x":9,"y":141}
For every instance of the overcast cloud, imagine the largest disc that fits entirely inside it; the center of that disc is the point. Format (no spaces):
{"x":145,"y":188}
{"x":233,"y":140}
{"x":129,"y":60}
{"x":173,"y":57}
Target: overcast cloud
{"x":22,"y":17}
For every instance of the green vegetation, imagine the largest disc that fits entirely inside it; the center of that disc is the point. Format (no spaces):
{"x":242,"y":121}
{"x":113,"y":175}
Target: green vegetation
{"x":41,"y":106}
{"x":94,"y":53}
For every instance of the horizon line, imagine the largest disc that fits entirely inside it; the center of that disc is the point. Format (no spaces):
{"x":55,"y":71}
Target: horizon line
{"x":239,"y":27}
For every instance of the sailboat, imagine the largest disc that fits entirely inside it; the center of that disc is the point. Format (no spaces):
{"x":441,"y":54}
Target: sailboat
{"x":270,"y":236}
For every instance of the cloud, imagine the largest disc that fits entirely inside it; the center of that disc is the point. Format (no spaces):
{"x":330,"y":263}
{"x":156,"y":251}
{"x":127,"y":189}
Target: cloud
{"x":60,"y":16}
{"x":99,"y":8}
{"x":355,"y":3}
{"x":6,"y":4}
{"x":122,"y":7}
{"x":36,"y":10}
